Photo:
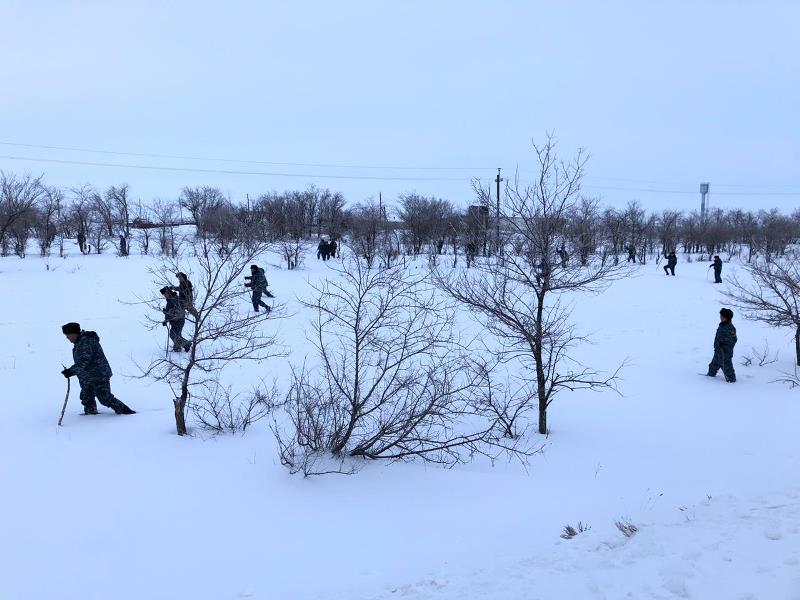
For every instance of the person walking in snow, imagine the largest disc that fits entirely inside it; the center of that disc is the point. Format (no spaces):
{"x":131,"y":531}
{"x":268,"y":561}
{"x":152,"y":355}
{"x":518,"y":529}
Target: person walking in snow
{"x":724,"y":342}
{"x":332,"y":248}
{"x":93,"y":371}
{"x":258,"y":283}
{"x":185,"y":293}
{"x":672,"y":260}
{"x":321,"y":248}
{"x":562,"y":254}
{"x":175,"y":315}
{"x":631,"y":253}
{"x":717,"y":266}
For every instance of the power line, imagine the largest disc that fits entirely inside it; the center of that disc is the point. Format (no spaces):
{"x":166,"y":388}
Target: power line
{"x":229,"y":172}
{"x":252,"y":162}
{"x":382,"y":167}
{"x":357,"y":177}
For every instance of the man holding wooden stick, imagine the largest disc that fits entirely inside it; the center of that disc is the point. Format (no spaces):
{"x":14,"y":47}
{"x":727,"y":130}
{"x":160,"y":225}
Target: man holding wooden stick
{"x":93,"y":371}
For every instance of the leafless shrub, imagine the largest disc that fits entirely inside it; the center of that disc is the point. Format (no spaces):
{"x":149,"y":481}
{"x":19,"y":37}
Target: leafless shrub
{"x":570,"y":531}
{"x":503,"y":398}
{"x":762,"y":356}
{"x":221,"y":411}
{"x":293,"y":251}
{"x":390,"y":383}
{"x":626,"y":528}
{"x":791,"y":379}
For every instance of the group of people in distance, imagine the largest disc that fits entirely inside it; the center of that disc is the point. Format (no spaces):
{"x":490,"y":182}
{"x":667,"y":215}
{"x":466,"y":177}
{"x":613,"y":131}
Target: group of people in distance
{"x":672,"y":261}
{"x":326,"y":249}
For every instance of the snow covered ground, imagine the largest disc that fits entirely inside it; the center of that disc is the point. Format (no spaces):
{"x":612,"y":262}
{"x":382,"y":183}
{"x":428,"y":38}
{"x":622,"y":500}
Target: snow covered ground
{"x":121,"y":508}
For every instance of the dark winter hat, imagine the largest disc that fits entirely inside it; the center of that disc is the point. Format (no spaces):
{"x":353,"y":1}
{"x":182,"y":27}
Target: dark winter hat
{"x":727,"y":313}
{"x":71,"y":328}
{"x":254,"y":267}
{"x":165,"y":290}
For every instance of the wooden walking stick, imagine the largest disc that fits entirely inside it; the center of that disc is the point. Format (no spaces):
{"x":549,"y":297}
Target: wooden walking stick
{"x":63,"y":408}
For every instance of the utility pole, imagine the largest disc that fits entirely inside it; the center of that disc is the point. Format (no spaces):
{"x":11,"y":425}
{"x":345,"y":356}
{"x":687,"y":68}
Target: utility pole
{"x":497,"y":180}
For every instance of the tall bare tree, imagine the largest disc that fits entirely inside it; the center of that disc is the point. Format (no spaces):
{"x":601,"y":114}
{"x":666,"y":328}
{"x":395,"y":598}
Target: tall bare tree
{"x":522,"y":297}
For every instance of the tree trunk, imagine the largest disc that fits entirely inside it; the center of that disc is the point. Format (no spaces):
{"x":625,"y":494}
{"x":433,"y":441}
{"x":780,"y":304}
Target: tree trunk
{"x":180,"y":420}
{"x":541,"y":381}
{"x":797,"y":346}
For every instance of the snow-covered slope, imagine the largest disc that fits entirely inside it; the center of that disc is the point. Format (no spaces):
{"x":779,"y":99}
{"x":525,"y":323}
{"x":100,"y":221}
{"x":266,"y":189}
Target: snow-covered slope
{"x":120,"y":508}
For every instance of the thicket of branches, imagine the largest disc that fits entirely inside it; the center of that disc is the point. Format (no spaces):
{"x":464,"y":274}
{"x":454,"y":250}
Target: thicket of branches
{"x":391,"y":381}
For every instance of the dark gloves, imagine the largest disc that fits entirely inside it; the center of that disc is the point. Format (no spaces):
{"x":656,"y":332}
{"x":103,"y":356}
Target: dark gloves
{"x":163,"y":323}
{"x":67,"y":373}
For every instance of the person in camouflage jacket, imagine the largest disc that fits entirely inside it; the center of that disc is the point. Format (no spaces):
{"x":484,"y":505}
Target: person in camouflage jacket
{"x":175,"y":315}
{"x":724,"y":342}
{"x":93,"y":371}
{"x":185,"y":293}
{"x":258,"y":283}
{"x":672,"y":262}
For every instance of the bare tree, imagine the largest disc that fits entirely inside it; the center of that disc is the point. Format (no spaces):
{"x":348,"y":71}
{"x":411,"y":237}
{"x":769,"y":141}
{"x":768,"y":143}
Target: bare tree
{"x":18,"y":199}
{"x":117,"y":197}
{"x":772,"y":295}
{"x":388,"y":384}
{"x":225,"y":331}
{"x":164,"y":214}
{"x":366,"y":222}
{"x":521,"y":298}
{"x":46,"y":225}
{"x":199,"y":199}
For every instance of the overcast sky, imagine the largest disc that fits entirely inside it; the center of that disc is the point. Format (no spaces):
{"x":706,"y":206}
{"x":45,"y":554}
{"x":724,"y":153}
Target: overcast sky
{"x":663,"y":95}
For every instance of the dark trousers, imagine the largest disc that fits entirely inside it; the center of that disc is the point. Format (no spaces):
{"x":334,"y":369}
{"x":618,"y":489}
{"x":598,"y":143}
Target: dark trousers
{"x":176,"y":334}
{"x":257,"y":300}
{"x":100,"y":390}
{"x":668,"y":269}
{"x":723,"y":359}
{"x":717,"y":275}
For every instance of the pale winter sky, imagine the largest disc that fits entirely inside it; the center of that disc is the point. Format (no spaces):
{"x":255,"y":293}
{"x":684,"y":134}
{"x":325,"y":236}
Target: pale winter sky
{"x":663,"y":95}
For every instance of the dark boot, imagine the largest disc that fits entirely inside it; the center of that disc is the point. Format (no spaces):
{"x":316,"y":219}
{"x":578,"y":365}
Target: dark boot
{"x":187,"y":346}
{"x":90,"y":410}
{"x":124,"y":409}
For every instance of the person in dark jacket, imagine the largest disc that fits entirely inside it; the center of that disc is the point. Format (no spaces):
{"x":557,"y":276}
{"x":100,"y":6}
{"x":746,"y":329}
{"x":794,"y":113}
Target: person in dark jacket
{"x":321,"y":248}
{"x":258,"y":283}
{"x":717,"y":265}
{"x":631,"y":253}
{"x":175,"y":315}
{"x":332,"y":248}
{"x":93,"y":371}
{"x":724,"y":342}
{"x":185,"y":293}
{"x":672,"y":260}
{"x":562,"y":254}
